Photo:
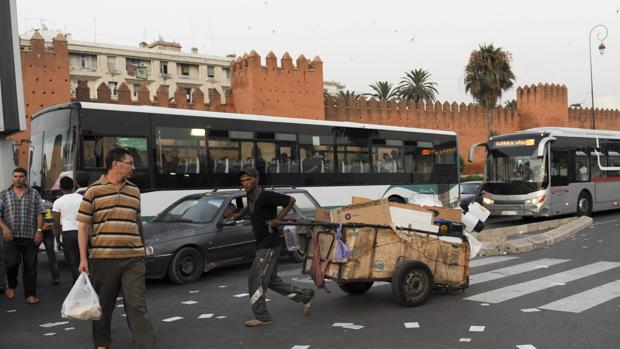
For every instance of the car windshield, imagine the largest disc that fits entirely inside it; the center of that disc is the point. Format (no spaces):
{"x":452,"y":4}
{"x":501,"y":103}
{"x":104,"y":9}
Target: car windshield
{"x":469,"y":188}
{"x":193,"y":209}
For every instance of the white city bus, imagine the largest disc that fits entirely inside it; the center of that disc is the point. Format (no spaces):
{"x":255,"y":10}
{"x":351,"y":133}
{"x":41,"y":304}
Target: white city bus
{"x":180,"y":151}
{"x":551,"y":171}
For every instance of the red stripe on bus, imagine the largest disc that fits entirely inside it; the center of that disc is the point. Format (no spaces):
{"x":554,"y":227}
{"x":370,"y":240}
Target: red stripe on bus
{"x":608,"y":179}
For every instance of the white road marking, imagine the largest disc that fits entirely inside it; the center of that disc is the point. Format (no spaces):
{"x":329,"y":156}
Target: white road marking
{"x":194,"y":291}
{"x":300,"y":347}
{"x":174,"y":318}
{"x":489,"y":260}
{"x":189,"y":302}
{"x":586,"y":299}
{"x":530,"y":310}
{"x":412,"y":325}
{"x":240,"y":295}
{"x":514,"y":270}
{"x":525,"y":346}
{"x":466,"y":340}
{"x":50,"y":334}
{"x":524,"y":288}
{"x":476,"y":328}
{"x":205,"y":316}
{"x":52,"y":324}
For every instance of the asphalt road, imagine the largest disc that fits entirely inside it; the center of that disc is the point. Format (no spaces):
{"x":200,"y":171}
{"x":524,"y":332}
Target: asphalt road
{"x":565,"y":296}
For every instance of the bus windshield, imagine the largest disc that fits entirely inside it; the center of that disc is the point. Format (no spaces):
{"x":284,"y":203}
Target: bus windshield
{"x":516,"y":165}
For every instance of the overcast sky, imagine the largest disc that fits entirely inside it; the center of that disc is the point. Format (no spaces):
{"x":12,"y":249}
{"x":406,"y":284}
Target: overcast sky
{"x":361,"y":42}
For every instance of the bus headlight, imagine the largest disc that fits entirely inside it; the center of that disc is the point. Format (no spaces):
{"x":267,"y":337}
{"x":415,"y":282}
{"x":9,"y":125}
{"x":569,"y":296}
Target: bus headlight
{"x":536,"y":200}
{"x":487,"y":201}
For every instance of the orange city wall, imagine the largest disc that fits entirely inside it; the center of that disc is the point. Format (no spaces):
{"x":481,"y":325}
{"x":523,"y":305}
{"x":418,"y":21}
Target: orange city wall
{"x":296,"y":90}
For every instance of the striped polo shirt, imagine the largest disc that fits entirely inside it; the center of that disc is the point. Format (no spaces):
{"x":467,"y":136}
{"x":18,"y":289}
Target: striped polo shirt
{"x":114,"y":213}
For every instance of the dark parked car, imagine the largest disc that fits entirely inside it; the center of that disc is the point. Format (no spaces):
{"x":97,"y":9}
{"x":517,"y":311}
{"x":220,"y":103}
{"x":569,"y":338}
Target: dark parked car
{"x":470,"y":192}
{"x":193,"y":235}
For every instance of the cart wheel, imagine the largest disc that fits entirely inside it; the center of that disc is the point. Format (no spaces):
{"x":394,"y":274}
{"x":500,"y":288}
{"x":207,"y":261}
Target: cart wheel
{"x":412,"y":283}
{"x":356,"y":287}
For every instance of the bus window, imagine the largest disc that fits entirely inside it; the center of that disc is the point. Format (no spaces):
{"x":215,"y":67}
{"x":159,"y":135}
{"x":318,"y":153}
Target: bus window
{"x":57,"y":156}
{"x":559,"y":168}
{"x":582,"y":170}
{"x":279,"y":155}
{"x":424,"y":160}
{"x":36,"y":155}
{"x":95,"y":148}
{"x":445,"y":153}
{"x":316,"y":154}
{"x":230,"y":156}
{"x":387,"y":160}
{"x":613,"y":160}
{"x":180,"y":150}
{"x":596,"y":172}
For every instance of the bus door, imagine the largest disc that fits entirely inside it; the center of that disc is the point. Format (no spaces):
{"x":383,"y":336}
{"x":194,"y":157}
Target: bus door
{"x":559,"y":182}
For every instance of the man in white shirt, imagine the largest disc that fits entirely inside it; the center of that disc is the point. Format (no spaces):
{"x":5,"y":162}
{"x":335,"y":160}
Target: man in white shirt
{"x":65,"y":212}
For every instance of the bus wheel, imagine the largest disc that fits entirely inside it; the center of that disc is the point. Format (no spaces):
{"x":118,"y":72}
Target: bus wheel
{"x":398,"y":199}
{"x":412,"y":283}
{"x":584,"y":204}
{"x":186,"y":266}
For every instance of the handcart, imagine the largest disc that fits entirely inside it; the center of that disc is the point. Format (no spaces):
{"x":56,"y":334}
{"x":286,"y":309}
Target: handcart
{"x":415,"y":262}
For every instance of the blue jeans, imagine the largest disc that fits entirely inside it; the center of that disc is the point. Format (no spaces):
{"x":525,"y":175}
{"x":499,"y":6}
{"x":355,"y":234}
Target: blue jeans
{"x":48,"y":241}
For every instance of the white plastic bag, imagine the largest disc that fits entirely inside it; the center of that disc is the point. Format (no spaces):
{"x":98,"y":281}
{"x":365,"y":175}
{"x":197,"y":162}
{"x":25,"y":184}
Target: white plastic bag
{"x":82,"y":302}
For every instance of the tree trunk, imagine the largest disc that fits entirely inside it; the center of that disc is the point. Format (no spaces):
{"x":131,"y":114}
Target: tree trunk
{"x":490,"y":122}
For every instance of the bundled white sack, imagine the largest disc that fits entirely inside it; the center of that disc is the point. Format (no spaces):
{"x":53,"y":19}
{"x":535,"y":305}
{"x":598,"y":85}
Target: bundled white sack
{"x":82,"y":302}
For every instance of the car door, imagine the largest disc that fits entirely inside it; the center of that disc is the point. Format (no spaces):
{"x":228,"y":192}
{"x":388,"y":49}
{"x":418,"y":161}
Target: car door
{"x":233,"y":241}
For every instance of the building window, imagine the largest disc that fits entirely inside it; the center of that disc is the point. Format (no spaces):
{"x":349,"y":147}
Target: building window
{"x":113,"y":88}
{"x":226,"y":72}
{"x":84,"y":61}
{"x":188,"y":94}
{"x":210,"y":71}
{"x":184,"y":69}
{"x":163,"y":68}
{"x":136,"y":88}
{"x":111,"y":63}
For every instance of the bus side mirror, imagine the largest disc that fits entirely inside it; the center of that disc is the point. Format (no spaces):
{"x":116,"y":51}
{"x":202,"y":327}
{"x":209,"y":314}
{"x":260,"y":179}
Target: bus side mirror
{"x":541,"y":146}
{"x":472,"y":149}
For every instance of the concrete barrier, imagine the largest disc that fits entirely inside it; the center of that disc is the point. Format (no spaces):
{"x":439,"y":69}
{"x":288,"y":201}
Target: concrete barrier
{"x":494,"y":241}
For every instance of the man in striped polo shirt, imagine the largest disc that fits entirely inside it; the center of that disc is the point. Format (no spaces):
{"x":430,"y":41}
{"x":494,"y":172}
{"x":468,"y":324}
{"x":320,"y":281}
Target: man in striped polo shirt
{"x":110,"y":211}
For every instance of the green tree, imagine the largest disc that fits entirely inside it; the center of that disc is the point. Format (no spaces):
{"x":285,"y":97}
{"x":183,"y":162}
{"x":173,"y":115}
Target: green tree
{"x":347,"y":94}
{"x":382,"y":90}
{"x":511,"y":104}
{"x":487,"y":75}
{"x":416,"y":86}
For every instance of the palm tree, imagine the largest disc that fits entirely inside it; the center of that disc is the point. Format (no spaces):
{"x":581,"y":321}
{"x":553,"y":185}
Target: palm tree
{"x":415,"y":86}
{"x":347,"y":94}
{"x":487,"y":75}
{"x":382,"y":90}
{"x":511,"y":104}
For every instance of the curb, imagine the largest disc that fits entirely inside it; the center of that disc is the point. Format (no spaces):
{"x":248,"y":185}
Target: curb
{"x":495,"y":243}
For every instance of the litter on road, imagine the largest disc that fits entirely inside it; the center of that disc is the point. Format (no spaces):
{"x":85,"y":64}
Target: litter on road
{"x":174,"y":318}
{"x":526,"y":346}
{"x":300,"y":347}
{"x":194,"y":291}
{"x":205,"y":316}
{"x":412,"y":325}
{"x":189,"y":302}
{"x":240,"y":295}
{"x":476,"y":328}
{"x":50,"y":334}
{"x":52,"y":324}
{"x":530,"y":310}
{"x":466,"y":340}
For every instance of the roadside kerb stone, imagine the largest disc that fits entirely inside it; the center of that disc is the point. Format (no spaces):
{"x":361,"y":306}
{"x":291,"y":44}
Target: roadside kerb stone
{"x":494,"y":241}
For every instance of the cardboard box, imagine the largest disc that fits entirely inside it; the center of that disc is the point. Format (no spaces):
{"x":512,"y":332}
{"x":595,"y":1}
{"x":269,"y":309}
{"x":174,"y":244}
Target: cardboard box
{"x":322,"y":215}
{"x":359,"y":200}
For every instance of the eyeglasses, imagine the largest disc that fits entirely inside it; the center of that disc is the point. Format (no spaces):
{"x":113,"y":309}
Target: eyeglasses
{"x":130,"y":163}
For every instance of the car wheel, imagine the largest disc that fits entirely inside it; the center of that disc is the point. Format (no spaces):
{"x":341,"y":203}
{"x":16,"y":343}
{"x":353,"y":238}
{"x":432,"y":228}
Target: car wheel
{"x":412,"y":283}
{"x":299,"y":255}
{"x":354,"y":288}
{"x":186,"y":266}
{"x":584,"y":204}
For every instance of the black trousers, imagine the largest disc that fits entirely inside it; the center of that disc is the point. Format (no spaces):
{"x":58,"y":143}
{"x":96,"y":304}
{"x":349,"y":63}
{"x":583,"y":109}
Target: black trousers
{"x":72,"y":251}
{"x":17,"y":250}
{"x":2,"y":266}
{"x":48,"y":242}
{"x":109,"y":276}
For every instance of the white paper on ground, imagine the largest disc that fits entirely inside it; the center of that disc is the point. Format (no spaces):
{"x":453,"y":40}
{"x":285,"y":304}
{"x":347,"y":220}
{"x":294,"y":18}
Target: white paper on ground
{"x":530,"y":310}
{"x":221,"y":317}
{"x":467,"y":340}
{"x":11,"y":311}
{"x":124,"y":315}
{"x":194,"y":291}
{"x":69,"y":328}
{"x":484,"y":304}
{"x":526,"y":346}
{"x":189,"y":302}
{"x":50,"y":334}
{"x":412,"y":325}
{"x":354,"y":327}
{"x":174,"y":318}
{"x":222,"y":286}
{"x":340,"y":324}
{"x":300,"y":347}
{"x":240,"y":295}
{"x":205,"y":316}
{"x":120,"y":305}
{"x":476,"y":328}
{"x":52,"y":324}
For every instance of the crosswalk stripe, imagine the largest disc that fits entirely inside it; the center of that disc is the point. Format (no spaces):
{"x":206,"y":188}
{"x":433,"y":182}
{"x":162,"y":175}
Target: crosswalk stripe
{"x":586,"y":299}
{"x":489,"y":260}
{"x":514,"y":270}
{"x":524,"y":288}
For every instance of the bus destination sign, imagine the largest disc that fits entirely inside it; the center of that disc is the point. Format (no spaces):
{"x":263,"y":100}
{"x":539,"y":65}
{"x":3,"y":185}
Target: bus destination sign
{"x":515,"y":143}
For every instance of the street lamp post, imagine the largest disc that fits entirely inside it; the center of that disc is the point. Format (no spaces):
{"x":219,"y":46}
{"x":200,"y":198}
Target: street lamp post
{"x":602,"y":35}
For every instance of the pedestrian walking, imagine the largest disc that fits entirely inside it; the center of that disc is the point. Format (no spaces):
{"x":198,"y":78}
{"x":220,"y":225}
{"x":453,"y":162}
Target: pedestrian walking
{"x":21,"y":223}
{"x":65,"y":223}
{"x":110,"y":214}
{"x":48,"y":237}
{"x":263,"y":210}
